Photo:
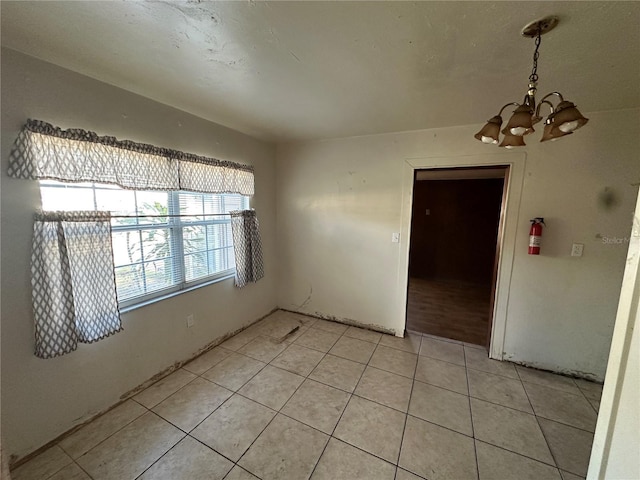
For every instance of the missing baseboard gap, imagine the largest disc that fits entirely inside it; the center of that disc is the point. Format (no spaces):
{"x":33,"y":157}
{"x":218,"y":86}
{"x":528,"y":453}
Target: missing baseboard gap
{"x":15,"y":461}
{"x":574,"y":374}
{"x":345,"y":321}
{"x":201,"y":351}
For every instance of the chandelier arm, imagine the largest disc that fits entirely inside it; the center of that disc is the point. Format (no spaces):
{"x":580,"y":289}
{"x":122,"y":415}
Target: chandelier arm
{"x":557,"y":94}
{"x":540,"y":104}
{"x":508,"y":104}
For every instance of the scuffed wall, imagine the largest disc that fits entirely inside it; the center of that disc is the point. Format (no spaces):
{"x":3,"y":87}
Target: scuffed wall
{"x":339,"y":201}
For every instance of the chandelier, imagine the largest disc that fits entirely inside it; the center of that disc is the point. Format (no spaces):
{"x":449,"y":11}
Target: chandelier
{"x":564,"y":118}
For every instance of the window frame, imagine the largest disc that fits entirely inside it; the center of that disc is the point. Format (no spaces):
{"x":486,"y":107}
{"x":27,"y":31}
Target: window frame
{"x":176,"y":225}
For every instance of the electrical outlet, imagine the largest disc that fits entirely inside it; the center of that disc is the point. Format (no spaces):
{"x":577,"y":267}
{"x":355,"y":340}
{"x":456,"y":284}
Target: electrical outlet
{"x":395,"y":237}
{"x":190,"y":321}
{"x":576,"y":249}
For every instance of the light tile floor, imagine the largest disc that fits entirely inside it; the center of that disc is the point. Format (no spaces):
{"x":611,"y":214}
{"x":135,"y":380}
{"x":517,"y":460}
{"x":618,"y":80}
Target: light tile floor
{"x":337,"y":402}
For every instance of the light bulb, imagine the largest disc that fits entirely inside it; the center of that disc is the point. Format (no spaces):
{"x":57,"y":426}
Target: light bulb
{"x":519,"y":131}
{"x":489,"y":140}
{"x":568,"y":127}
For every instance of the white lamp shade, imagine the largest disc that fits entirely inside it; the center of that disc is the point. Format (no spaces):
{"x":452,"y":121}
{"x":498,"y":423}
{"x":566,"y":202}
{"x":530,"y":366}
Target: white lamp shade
{"x":491,"y":131}
{"x":567,"y":117}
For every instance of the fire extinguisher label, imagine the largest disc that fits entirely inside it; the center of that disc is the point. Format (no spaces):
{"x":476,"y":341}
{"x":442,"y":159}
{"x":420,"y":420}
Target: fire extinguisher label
{"x":534,"y":241}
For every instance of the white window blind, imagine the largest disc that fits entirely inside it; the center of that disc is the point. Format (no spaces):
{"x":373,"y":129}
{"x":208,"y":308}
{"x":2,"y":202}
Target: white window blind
{"x":168,"y":242}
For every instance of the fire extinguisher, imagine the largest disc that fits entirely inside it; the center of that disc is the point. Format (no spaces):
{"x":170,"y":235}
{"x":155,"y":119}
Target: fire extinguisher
{"x":535,"y":234}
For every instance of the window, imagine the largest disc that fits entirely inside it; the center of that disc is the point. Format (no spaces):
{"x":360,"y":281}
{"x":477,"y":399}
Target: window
{"x":155,"y":251}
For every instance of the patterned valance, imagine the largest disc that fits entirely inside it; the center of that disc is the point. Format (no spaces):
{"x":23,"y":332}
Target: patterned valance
{"x":43,"y":151}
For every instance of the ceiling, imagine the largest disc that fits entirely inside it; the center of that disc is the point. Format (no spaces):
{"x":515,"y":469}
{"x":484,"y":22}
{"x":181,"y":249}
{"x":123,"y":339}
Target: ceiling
{"x":293,"y":71}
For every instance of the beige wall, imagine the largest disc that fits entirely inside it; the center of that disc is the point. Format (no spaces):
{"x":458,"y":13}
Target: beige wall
{"x":43,"y":398}
{"x":338,"y":202}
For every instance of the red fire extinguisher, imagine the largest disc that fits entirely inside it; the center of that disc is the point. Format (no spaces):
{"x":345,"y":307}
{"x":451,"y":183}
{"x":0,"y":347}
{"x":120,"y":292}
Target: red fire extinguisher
{"x":535,"y":234}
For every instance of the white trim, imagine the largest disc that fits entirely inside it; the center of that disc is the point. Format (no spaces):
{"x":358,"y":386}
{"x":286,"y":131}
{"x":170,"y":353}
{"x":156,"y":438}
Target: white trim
{"x":618,"y":368}
{"x":516,"y":162}
{"x":173,"y":224}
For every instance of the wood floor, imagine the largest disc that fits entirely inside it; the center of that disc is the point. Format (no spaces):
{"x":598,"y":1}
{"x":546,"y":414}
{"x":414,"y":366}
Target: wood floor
{"x":450,"y":309}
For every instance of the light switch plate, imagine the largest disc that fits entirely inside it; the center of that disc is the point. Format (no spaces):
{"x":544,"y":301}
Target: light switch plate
{"x":395,"y":237}
{"x":576,"y":249}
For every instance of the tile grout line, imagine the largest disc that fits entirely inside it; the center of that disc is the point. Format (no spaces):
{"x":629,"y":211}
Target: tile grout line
{"x":528,"y":382}
{"x":210,"y":448}
{"x":83,"y":470}
{"x":168,"y":450}
{"x":587,"y":398}
{"x":233,"y":392}
{"x":251,"y":445}
{"x":235,"y":463}
{"x":498,"y":446}
{"x":278,"y":411}
{"x":61,"y":468}
{"x":431,"y":422}
{"x":555,"y":420}
{"x":353,"y":393}
{"x":350,"y":393}
{"x":150,"y":410}
{"x":341,"y":413}
{"x":473,"y":430}
{"x":411,"y":377}
{"x":406,"y":416}
{"x":516,"y":453}
{"x":486,"y":401}
{"x":493,"y":373}
{"x":501,"y":405}
{"x":539,"y":426}
{"x":104,"y":439}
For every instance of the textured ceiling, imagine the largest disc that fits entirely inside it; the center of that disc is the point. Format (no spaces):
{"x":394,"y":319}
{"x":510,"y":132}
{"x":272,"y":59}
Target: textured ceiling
{"x":288,"y":71}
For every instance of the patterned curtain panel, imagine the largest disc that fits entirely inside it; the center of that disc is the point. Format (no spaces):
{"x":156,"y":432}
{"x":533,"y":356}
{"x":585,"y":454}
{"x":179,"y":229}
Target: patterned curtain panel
{"x":43,"y":151}
{"x":247,"y":247}
{"x":72,"y":280}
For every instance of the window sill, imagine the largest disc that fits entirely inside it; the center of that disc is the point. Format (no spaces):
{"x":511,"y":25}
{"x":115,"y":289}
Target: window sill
{"x":174,"y":294}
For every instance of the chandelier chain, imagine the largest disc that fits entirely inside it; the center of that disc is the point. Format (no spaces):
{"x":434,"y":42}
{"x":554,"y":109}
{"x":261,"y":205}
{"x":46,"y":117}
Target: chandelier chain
{"x":533,"y":78}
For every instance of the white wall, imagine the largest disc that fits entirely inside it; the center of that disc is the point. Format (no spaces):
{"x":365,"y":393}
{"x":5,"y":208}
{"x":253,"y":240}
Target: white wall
{"x":338,"y":201}
{"x":616,"y":442}
{"x":622,"y":459}
{"x":43,"y":398}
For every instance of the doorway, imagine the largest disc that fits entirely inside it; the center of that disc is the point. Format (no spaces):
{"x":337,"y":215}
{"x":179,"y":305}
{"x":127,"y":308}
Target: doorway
{"x":454,"y":245}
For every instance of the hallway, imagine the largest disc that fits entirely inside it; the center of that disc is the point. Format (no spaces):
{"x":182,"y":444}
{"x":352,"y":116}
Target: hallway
{"x":449,"y":308}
